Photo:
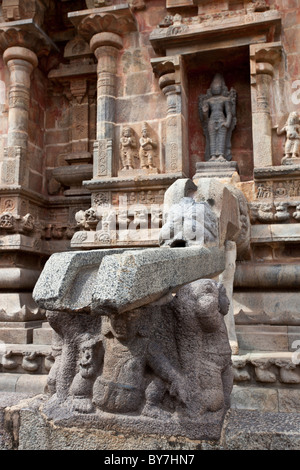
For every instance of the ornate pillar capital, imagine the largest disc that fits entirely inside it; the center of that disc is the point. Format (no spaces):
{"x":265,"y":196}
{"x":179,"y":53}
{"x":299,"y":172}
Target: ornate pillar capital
{"x":117,"y":19}
{"x":105,"y":39}
{"x":19,"y":53}
{"x":263,"y":57}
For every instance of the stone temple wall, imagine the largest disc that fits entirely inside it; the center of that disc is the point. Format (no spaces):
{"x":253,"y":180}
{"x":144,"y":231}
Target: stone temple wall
{"x":75,"y":76}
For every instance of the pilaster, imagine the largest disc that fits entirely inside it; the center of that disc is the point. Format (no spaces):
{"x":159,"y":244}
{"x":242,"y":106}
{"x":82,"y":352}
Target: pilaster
{"x":263,"y":59}
{"x":20,"y":62}
{"x":105,"y":46}
{"x":171,"y":76}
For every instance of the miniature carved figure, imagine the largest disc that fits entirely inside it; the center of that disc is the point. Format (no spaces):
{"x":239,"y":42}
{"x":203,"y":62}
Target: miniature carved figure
{"x":217,"y":111}
{"x":292,"y":144}
{"x":147,"y":149}
{"x":127,"y":149}
{"x":91,"y":355}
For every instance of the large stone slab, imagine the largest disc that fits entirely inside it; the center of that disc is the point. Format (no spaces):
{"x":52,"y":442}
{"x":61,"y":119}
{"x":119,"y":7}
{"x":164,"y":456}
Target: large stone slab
{"x":28,"y":428}
{"x":116,"y":281}
{"x":69,"y":276}
{"x":137,"y":278}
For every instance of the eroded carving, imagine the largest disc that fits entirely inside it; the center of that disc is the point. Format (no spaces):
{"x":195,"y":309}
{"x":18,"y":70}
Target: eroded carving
{"x":189,"y":223}
{"x":137,"y":365}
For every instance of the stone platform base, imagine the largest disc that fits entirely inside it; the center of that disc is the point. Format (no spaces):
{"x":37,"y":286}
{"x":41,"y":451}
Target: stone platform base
{"x":23,"y":426}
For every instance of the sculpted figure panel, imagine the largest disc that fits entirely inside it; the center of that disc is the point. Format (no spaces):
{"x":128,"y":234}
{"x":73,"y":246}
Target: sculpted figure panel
{"x":127,"y":149}
{"x":292,"y":143}
{"x":217,"y":112}
{"x":165,"y":365}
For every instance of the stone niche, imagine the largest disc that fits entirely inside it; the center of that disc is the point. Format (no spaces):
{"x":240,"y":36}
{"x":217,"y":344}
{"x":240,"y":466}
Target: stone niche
{"x":233,"y":66}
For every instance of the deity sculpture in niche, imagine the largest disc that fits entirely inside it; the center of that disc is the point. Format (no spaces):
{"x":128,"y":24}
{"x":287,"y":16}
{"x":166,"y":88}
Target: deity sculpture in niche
{"x":147,"y":149}
{"x":217,"y":112}
{"x":127,"y":149}
{"x":292,"y":144}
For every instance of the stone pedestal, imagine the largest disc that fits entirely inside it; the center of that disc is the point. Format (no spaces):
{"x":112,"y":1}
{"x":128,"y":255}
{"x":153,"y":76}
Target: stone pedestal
{"x":215,"y":169}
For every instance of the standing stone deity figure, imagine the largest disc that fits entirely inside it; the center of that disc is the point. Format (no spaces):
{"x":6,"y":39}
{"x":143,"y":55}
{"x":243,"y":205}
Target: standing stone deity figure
{"x":292,"y":144}
{"x":147,"y":149}
{"x":127,"y":149}
{"x":217,"y":112}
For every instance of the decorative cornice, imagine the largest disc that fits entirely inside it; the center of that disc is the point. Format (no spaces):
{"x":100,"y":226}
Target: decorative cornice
{"x":117,"y":19}
{"x":26,"y":33}
{"x":199,"y":33}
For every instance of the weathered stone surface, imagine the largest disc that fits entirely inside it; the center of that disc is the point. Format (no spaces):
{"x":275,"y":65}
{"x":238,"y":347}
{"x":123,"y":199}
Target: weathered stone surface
{"x":257,"y":308}
{"x":242,"y":430}
{"x":95,"y":280}
{"x":252,"y":430}
{"x":167,"y":268}
{"x":262,"y":337}
{"x":131,"y":371}
{"x":57,"y":279}
{"x":288,"y":401}
{"x":254,"y":398}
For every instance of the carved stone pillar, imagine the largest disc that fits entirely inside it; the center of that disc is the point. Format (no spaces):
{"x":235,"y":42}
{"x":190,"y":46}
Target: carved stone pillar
{"x":171,"y":81}
{"x":20,"y":62}
{"x":104,"y":30}
{"x":106,"y":47}
{"x":262,"y":60}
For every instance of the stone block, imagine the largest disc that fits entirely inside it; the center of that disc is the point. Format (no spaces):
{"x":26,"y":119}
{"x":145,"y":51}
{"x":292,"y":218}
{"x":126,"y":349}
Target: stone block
{"x":8,"y":382}
{"x":289,"y":400}
{"x":254,"y":398}
{"x":117,"y":281}
{"x":141,"y":108}
{"x":16,"y":335}
{"x":42,"y":336}
{"x":123,"y":280}
{"x":31,"y":384}
{"x":57,"y":279}
{"x":138,"y":83}
{"x":256,"y":307}
{"x":262,"y":337}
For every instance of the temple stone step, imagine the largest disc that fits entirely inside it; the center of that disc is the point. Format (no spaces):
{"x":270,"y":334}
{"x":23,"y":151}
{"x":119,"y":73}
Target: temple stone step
{"x":23,"y":383}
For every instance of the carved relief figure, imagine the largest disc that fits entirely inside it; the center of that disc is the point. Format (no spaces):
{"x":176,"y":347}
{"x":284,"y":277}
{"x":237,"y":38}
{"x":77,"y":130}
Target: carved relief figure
{"x":217,"y":111}
{"x":202,"y":339}
{"x":292,"y":144}
{"x":91,"y":355}
{"x":147,"y":149}
{"x":129,"y":349}
{"x":127,"y":149}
